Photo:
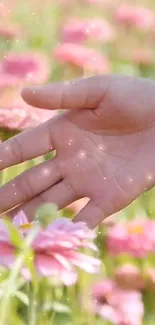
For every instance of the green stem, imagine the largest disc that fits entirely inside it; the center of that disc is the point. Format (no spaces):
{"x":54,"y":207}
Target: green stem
{"x":11,"y":283}
{"x":32,"y":305}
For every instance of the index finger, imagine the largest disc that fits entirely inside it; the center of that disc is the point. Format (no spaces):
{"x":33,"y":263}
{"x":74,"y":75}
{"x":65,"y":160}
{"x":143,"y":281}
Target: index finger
{"x":79,"y":93}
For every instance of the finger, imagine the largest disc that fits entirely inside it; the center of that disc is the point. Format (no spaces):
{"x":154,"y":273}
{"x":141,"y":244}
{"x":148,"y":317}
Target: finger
{"x":27,"y":145}
{"x":91,"y":214}
{"x":59,"y":194}
{"x":29,"y":184}
{"x":80,"y":93}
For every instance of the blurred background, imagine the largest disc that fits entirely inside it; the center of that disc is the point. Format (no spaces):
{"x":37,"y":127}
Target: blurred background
{"x":45,"y":41}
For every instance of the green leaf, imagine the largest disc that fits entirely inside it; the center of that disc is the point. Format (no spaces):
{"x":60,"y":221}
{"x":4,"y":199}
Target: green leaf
{"x":15,"y":236}
{"x":22,"y":297}
{"x":56,"y":307}
{"x":3,"y":275}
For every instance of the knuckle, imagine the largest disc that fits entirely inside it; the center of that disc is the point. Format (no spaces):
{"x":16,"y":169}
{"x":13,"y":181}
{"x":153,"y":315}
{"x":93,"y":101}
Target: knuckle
{"x":16,"y":150}
{"x":72,"y":188}
{"x":63,"y":99}
{"x":25,"y":186}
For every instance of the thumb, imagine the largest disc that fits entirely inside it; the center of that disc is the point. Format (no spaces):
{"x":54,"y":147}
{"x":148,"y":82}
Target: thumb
{"x":80,"y":93}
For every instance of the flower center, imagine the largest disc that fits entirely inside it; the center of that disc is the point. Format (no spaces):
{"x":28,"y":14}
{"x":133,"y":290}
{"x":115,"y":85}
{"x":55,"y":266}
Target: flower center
{"x":26,"y":226}
{"x":139,"y":229}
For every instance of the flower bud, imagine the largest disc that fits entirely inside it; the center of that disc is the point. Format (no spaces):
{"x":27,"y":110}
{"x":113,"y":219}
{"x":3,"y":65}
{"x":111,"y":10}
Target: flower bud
{"x":129,"y":277}
{"x":46,"y":214}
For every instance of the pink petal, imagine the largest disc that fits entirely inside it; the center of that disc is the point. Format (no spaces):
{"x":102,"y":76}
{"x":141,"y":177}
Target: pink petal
{"x":7,"y":255}
{"x":87,"y":263}
{"x":58,"y":224}
{"x":4,"y":234}
{"x":20,"y":219}
{"x":63,"y":261}
{"x":68,"y":278}
{"x":108,"y":313}
{"x":47,"y":265}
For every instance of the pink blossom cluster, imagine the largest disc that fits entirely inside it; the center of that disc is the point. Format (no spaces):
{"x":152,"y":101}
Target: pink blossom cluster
{"x":77,"y":31}
{"x":136,"y":238}
{"x":134,"y":16}
{"x":56,"y":248}
{"x":82,"y":57}
{"x":120,"y":307}
{"x":27,"y":67}
{"x":19,"y":116}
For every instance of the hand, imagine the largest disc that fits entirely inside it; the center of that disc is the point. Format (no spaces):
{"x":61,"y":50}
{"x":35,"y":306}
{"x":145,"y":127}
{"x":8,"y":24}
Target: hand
{"x":105,"y":148}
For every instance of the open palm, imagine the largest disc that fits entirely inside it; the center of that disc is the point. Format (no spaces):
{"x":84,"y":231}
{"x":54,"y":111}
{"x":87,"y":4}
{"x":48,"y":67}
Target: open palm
{"x":104,"y":147}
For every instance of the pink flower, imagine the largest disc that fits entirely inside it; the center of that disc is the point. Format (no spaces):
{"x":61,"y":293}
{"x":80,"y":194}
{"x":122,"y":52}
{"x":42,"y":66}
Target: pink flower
{"x":9,"y":85}
{"x":96,"y":2}
{"x":128,"y":276}
{"x":136,"y":238}
{"x":117,"y":306}
{"x":21,"y":116}
{"x":143,"y":57}
{"x":83,"y":57}
{"x":56,"y":248}
{"x":9,"y":31}
{"x":77,"y":31}
{"x":134,"y":16}
{"x":102,"y":290}
{"x":32,"y":67}
{"x":4,"y":9}
{"x":8,"y":81}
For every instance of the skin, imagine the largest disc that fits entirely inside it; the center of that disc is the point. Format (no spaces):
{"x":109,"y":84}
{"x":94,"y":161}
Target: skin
{"x":104,"y":145}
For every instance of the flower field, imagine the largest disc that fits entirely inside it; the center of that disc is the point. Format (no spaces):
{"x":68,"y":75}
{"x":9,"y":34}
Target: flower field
{"x":54,"y":271}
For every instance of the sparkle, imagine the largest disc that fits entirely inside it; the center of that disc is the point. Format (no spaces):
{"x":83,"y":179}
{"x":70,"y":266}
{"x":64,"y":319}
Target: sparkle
{"x":34,"y":91}
{"x":13,"y":184}
{"x":149,"y":177}
{"x":130,"y":180}
{"x":70,"y":142}
{"x":17,"y":40}
{"x":100,"y":147}
{"x":29,"y":76}
{"x":46,"y":171}
{"x":66,"y":83}
{"x":82,"y":154}
{"x":104,"y":178}
{"x":15,"y":193}
{"x":1,"y":160}
{"x":6,"y":148}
